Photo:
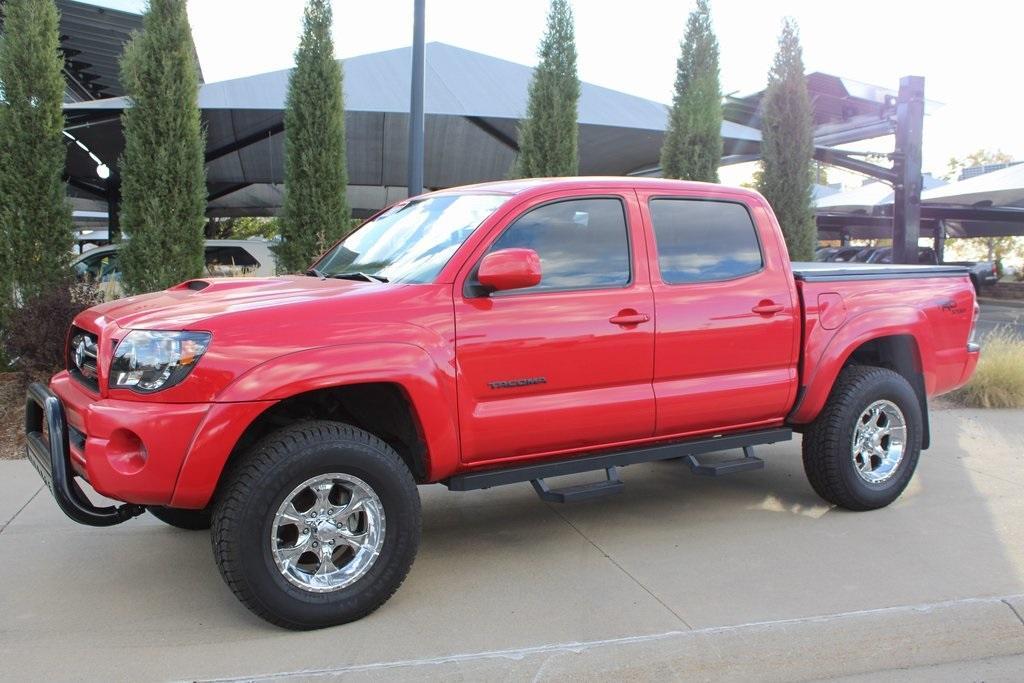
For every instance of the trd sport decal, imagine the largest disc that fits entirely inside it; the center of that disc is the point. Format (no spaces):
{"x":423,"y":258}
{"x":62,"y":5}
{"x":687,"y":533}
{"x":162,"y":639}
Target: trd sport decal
{"x":513,"y":383}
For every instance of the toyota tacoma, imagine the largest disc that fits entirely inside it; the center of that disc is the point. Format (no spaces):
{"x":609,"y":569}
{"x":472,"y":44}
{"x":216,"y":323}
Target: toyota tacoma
{"x":487,"y":335}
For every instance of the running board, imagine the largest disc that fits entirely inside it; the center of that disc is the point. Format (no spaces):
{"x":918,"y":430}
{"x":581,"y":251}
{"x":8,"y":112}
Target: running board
{"x":570,"y":494}
{"x":713,"y":469}
{"x":482,"y":479}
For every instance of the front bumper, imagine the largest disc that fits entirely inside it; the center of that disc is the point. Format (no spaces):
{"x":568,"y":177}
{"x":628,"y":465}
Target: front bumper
{"x":138,"y":452}
{"x":46,"y":437}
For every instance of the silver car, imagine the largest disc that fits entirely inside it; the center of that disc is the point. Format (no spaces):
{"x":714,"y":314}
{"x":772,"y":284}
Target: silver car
{"x":224,"y":258}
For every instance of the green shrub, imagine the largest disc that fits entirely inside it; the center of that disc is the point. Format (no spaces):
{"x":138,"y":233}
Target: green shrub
{"x":999,"y":380}
{"x":36,"y":332}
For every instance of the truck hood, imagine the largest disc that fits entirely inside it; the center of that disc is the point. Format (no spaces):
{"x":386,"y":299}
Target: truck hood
{"x":192,"y":303}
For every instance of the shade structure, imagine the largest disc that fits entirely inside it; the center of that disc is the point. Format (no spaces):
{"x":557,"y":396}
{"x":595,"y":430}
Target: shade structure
{"x":868,"y":196}
{"x":474,"y":103}
{"x":998,"y":188}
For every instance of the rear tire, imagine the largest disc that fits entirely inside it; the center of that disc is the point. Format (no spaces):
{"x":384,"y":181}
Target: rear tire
{"x":317,"y":525}
{"x":863,"y":448}
{"x":190,"y":520}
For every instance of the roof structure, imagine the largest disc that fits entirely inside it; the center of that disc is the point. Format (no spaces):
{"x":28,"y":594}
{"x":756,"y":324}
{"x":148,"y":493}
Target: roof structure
{"x":473,"y":106}
{"x":990,"y":205}
{"x":843,"y":110}
{"x":868,"y":196}
{"x":1004,"y":187}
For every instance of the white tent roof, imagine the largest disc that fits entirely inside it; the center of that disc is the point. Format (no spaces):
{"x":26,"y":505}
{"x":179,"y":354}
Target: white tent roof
{"x":998,"y":188}
{"x":868,"y":196}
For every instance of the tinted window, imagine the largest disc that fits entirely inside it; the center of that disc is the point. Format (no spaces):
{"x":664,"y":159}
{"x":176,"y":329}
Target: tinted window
{"x":224,"y":261}
{"x":701,"y":241}
{"x":582,"y":243}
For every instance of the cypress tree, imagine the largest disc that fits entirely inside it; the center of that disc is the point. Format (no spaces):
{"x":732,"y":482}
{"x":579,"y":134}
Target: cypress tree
{"x":693,"y":142}
{"x":35,"y":217}
{"x":548,"y":134}
{"x":315,"y":212}
{"x":787,"y":146}
{"x":163,"y":186}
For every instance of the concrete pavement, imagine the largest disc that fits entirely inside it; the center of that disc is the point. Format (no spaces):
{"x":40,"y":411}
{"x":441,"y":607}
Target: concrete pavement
{"x":743,"y":577}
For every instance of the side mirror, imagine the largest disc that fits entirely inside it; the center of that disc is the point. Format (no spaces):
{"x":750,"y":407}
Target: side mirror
{"x":509,"y":269}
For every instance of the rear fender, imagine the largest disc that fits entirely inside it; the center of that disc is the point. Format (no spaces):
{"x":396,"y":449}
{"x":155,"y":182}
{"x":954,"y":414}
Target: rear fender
{"x":826,"y":355}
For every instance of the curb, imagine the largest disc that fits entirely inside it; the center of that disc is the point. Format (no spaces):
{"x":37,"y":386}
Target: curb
{"x":789,"y":649}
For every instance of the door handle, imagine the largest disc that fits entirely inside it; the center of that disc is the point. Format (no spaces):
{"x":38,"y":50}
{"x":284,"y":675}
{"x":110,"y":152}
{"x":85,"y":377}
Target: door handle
{"x":629,"y":318}
{"x":767,"y":308}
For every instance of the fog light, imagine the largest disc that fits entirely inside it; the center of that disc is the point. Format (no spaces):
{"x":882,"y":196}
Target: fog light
{"x":125,"y":452}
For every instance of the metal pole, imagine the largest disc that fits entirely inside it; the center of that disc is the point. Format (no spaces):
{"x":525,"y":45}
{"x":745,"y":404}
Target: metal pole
{"x":416,"y":118}
{"x":906,"y":211}
{"x":113,"y":208}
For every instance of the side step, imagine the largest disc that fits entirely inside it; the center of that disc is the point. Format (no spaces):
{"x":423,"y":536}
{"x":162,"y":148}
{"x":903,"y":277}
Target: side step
{"x":714,"y":469}
{"x":570,"y":494}
{"x":499,"y":476}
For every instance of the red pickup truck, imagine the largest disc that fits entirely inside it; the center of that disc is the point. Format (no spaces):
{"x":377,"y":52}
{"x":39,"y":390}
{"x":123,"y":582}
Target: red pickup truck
{"x":487,"y":335}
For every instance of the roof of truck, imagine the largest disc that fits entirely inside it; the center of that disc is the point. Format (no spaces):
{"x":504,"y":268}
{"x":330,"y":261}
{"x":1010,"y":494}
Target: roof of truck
{"x":519,"y":186}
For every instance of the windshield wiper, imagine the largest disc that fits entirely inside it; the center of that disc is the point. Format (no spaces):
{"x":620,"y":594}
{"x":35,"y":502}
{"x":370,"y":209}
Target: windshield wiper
{"x":359,"y":275}
{"x":314,"y":271}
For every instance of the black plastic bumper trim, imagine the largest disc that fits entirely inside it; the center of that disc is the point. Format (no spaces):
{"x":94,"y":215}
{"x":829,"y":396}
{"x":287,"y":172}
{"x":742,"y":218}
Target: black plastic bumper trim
{"x":52,"y":459}
{"x":586,"y":463}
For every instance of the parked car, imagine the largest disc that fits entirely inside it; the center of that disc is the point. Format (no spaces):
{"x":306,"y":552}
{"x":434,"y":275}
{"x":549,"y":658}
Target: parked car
{"x":982,"y":273}
{"x":925,"y":255}
{"x":848,"y":254}
{"x":224,"y":258}
{"x":482,"y":336}
{"x":839,"y":254}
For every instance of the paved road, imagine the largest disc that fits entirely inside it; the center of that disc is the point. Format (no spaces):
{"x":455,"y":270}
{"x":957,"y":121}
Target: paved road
{"x":680,"y":577}
{"x":994,"y":315}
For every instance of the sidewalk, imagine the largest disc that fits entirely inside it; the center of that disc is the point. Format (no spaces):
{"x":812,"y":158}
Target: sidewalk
{"x":748,"y":576}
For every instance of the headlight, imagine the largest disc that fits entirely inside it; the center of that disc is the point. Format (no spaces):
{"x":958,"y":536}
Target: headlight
{"x":150,"y":361}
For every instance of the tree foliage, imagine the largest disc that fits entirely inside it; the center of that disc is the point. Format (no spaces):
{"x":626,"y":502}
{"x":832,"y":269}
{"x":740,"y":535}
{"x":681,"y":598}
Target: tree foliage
{"x":548,"y":134}
{"x":787,"y":146}
{"x":35,"y":217}
{"x":163,"y":179}
{"x":315,"y":211}
{"x":693,"y":142}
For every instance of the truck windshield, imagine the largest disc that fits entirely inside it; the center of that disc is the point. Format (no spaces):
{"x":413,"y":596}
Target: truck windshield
{"x":410,"y":242}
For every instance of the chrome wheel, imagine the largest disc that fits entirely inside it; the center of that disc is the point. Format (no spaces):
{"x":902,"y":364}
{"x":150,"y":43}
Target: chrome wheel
{"x":879,"y":441}
{"x":328,"y":532}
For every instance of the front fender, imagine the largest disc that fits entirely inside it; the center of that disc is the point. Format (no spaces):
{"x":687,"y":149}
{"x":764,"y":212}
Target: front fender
{"x":430,"y":389}
{"x":826,"y":352}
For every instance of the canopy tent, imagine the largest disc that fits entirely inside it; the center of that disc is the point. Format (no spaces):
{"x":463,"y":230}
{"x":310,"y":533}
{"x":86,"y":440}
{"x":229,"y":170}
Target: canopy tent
{"x":998,"y":188}
{"x":473,"y":106}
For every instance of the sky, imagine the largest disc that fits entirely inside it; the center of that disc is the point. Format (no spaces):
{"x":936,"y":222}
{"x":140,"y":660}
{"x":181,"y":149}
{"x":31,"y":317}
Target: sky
{"x":968,"y":53}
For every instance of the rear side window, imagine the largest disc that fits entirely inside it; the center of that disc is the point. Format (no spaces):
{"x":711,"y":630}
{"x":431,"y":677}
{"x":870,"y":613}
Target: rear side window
{"x":704,"y":241}
{"x":582,"y":243}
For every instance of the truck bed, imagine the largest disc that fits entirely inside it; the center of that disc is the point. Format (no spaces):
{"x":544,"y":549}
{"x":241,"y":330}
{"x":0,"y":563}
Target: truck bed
{"x":814,"y":271}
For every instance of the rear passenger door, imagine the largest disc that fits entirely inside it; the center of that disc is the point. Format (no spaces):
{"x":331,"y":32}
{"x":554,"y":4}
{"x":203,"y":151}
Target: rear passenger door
{"x":726,"y":346}
{"x":566,"y":364}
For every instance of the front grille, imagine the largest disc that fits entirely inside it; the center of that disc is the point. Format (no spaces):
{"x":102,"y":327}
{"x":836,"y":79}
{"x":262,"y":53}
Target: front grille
{"x":83,"y":353}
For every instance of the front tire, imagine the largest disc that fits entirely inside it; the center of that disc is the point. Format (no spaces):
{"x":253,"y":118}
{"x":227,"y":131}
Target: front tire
{"x":318,"y":525}
{"x":863,"y":448}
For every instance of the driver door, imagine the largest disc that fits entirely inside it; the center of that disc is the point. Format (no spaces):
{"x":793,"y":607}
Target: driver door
{"x":568,"y":364}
